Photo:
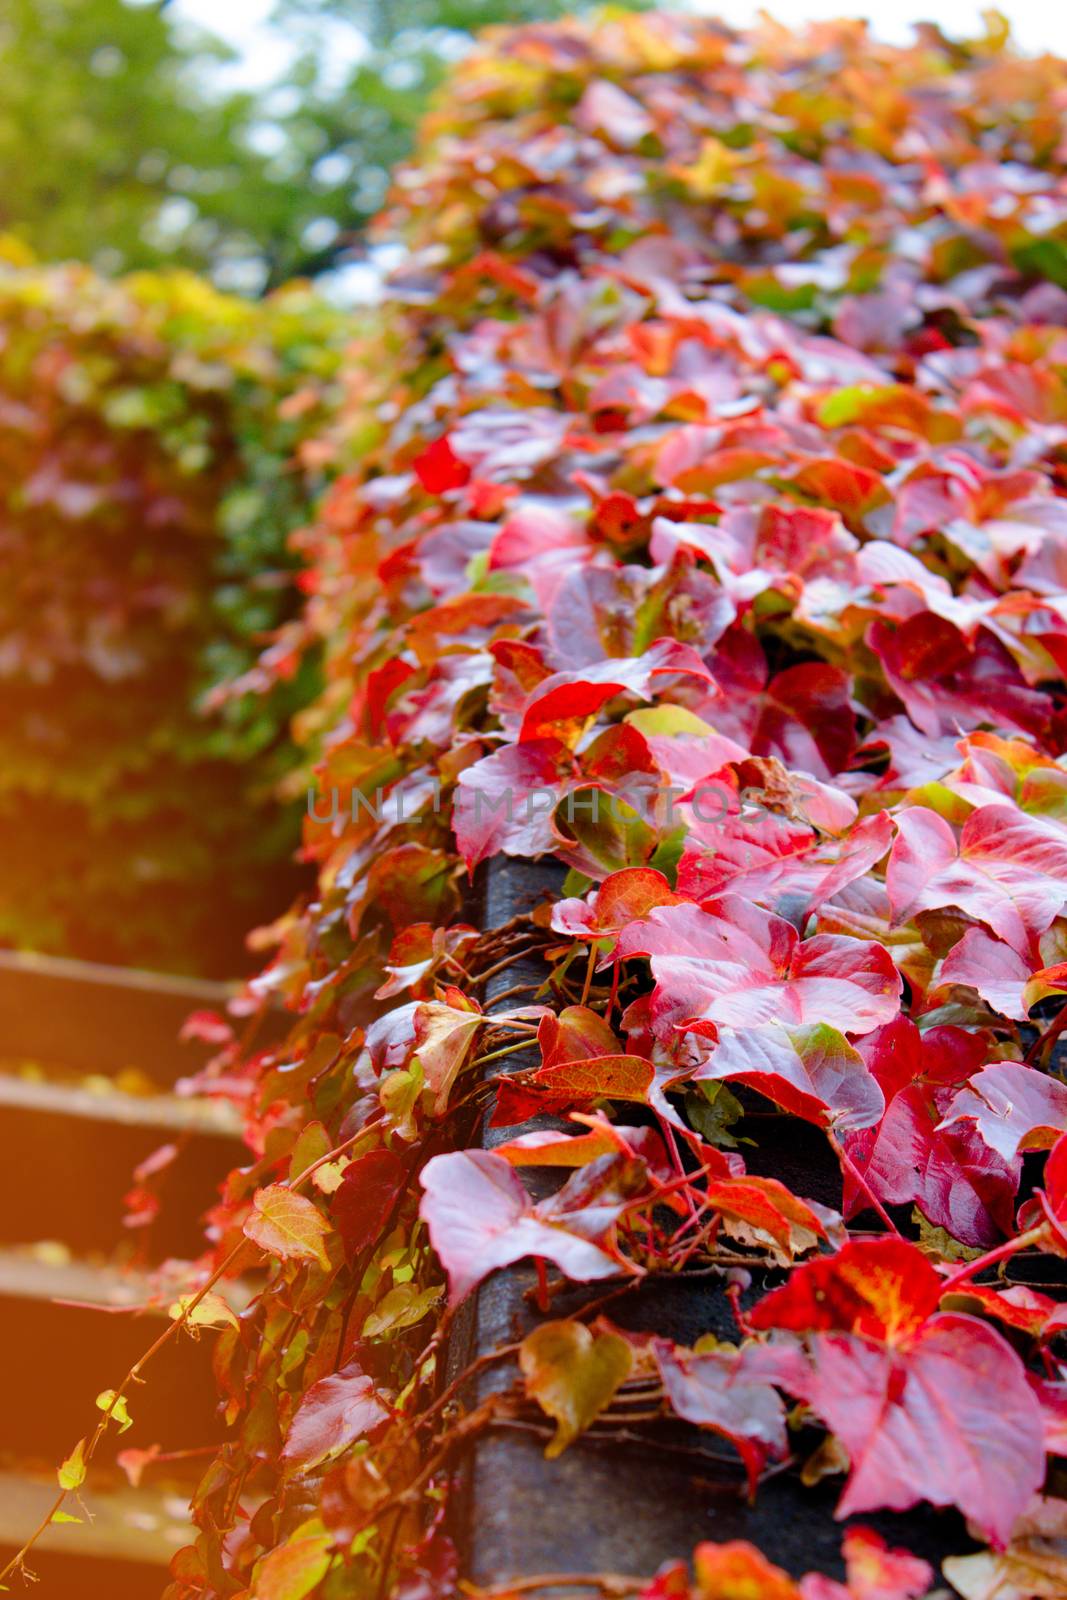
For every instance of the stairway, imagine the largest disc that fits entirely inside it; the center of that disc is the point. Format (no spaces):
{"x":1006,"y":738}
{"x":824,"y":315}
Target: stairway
{"x":89,"y":1060}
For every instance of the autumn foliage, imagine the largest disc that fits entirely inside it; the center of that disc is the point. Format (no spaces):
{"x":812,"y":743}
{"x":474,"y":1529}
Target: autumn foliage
{"x":149,"y":476}
{"x":700,"y":527}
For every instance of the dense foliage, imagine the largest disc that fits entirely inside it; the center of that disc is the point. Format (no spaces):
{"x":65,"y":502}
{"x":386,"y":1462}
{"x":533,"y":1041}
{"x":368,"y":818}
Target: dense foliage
{"x":149,"y":477}
{"x":710,"y":469}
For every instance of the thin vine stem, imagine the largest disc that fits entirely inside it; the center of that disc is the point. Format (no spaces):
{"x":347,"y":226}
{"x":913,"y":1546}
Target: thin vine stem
{"x":857,"y":1177}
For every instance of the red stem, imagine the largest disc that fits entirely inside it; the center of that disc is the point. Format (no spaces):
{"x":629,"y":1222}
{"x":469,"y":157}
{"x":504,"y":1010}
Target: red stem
{"x":858,"y":1178}
{"x":1011,"y":1247}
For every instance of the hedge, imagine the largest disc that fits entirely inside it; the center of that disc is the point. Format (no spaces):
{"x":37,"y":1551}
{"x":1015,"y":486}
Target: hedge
{"x":149,"y":431}
{"x":709,"y":467}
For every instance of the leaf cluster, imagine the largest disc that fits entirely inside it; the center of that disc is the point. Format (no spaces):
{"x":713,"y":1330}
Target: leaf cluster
{"x":709,"y":466}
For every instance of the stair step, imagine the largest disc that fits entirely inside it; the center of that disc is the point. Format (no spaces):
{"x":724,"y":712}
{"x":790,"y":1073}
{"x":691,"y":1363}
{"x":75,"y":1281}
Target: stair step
{"x":168,"y":1112}
{"x":89,"y":1018}
{"x":75,"y":1126}
{"x":40,"y":1273}
{"x":66,"y":1177}
{"x":71,"y":1353}
{"x":144,"y":1524}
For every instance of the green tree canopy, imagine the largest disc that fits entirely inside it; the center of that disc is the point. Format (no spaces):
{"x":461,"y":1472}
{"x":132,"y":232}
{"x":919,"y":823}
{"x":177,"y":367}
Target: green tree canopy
{"x":120,"y":144}
{"x":109,"y":151}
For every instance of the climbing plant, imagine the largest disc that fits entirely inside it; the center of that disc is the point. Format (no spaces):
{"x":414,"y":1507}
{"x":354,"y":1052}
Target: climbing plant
{"x":699,"y":527}
{"x":150,"y":432}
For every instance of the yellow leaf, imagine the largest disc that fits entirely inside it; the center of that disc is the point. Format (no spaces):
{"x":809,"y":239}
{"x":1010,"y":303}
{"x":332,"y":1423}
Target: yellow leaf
{"x":327,"y":1178}
{"x":314,"y":1142}
{"x":712,"y":170}
{"x":293,"y":1570}
{"x":287,"y":1225}
{"x":573,"y":1373}
{"x":72,"y":1473}
{"x":1033,"y":1567}
{"x":210,"y":1312}
{"x":669,"y":720}
{"x":115,"y":1407}
{"x":402,"y":1307}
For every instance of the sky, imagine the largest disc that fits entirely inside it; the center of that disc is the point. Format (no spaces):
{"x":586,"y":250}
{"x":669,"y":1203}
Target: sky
{"x":264,"y":51}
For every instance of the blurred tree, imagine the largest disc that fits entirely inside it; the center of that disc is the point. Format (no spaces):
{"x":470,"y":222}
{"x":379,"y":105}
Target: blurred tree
{"x":351,"y":128}
{"x":120,"y":145}
{"x":110,"y":151}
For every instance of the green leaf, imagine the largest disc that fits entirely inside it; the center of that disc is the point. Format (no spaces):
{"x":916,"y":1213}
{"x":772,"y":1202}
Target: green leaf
{"x":713,"y":1110}
{"x":403,"y":1307}
{"x":313,"y":1143}
{"x":399,"y":1094}
{"x":845,"y":405}
{"x":611,"y":831}
{"x":573,"y":1373}
{"x":210,"y":1311}
{"x":1043,"y":258}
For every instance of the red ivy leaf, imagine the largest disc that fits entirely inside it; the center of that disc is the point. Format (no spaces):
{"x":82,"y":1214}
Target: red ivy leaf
{"x":1014,"y":1107}
{"x":1008,"y":870}
{"x":806,"y":719}
{"x":958,"y":1182}
{"x":732,"y":963}
{"x":885,"y":1288}
{"x":333,"y":1414}
{"x":875,"y":1572}
{"x":812,"y":1072}
{"x":767,"y":1205}
{"x":439,"y":469}
{"x":573,"y":697}
{"x":707,"y":1389}
{"x":738,"y":1571}
{"x":622,"y":898}
{"x":361,"y":1205}
{"x":951,"y":1419}
{"x":572,"y":1083}
{"x":928,"y":1405}
{"x":993,"y":968}
{"x":505,"y":801}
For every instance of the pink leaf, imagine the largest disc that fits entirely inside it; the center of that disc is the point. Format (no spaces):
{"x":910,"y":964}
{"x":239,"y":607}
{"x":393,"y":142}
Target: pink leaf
{"x":812,"y":1072}
{"x":481,"y":1218}
{"x":958,"y":1182}
{"x":708,"y":1389}
{"x":734,"y":964}
{"x":992,"y":968}
{"x":929,"y":1405}
{"x":575,"y":696}
{"x":505,"y":801}
{"x":1008,"y":870}
{"x":1014,"y":1108}
{"x":951,"y":1420}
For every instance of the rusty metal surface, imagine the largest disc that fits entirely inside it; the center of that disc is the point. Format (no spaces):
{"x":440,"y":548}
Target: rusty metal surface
{"x":628,"y":1507}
